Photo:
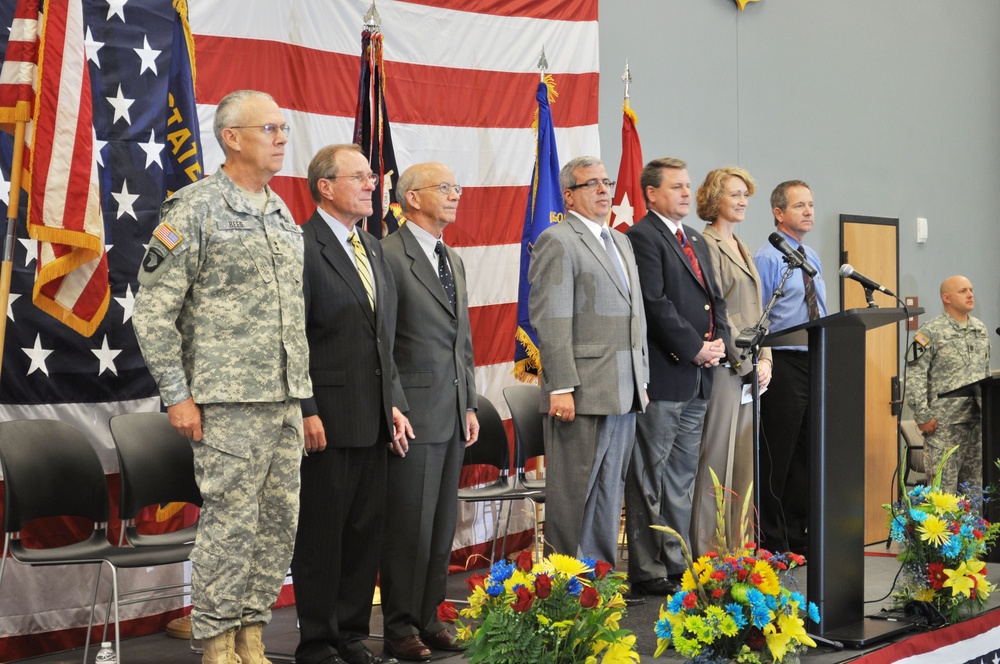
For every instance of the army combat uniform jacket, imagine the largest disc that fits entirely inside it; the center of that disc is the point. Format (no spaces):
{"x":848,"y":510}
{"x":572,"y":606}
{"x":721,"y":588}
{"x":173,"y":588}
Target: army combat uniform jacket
{"x":220,"y":316}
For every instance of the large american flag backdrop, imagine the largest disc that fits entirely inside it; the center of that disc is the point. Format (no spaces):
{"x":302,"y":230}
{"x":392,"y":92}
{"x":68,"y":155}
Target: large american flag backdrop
{"x":461,"y":80}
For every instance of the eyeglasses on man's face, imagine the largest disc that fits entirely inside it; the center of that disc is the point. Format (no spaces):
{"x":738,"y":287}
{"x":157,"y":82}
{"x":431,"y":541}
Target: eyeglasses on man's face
{"x":445,"y":188}
{"x":270,"y":129}
{"x":357,"y":178}
{"x":592,"y":184}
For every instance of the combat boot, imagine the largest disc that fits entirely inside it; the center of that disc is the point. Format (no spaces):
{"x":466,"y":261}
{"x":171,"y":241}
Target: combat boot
{"x":221,"y":649}
{"x":249,"y":646}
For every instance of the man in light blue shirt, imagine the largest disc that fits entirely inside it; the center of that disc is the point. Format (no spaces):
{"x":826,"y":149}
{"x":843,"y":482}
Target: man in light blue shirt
{"x":784,"y":409}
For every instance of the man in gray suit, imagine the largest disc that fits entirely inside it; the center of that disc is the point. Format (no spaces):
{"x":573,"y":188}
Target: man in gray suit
{"x":433,"y":354}
{"x":586,"y":307}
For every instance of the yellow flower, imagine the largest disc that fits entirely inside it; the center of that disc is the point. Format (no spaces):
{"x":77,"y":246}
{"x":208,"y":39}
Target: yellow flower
{"x":769,"y":584}
{"x":924,"y":595}
{"x":543,"y":620}
{"x":968,"y":576}
{"x":563,"y":564}
{"x":687,"y":581}
{"x":464,"y":632}
{"x":934,"y":530}
{"x":616,"y":602}
{"x":943,"y":502}
{"x":621,"y":651}
{"x":563,"y":626}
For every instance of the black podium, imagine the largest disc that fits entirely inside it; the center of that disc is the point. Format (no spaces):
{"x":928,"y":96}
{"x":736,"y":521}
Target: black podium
{"x":989,"y":390}
{"x":835,"y":571}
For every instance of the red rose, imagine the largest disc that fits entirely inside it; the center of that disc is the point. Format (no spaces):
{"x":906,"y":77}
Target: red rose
{"x":475,"y":581}
{"x":543,"y":586}
{"x":524,"y":560}
{"x":524,"y":599}
{"x":589,"y":597}
{"x":602,"y":568}
{"x":447,"y":612}
{"x":690,"y":600}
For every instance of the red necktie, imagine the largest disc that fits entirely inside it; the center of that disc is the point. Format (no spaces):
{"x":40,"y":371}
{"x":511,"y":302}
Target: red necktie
{"x":689,"y":252}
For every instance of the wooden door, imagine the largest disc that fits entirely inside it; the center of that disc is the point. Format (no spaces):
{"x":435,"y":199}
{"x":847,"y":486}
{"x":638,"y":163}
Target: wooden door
{"x":870,"y":245}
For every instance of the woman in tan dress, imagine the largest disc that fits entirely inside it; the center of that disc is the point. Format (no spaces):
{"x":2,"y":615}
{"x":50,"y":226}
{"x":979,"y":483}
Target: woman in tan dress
{"x":727,"y":441}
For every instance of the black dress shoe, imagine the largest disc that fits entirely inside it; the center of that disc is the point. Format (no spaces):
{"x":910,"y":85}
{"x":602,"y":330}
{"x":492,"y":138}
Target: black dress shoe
{"x":442,"y":640}
{"x":410,"y":648}
{"x":363,"y":655}
{"x":659,"y":587}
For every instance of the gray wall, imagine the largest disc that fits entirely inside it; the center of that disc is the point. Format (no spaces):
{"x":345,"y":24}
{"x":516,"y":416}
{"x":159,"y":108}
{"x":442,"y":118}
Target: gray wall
{"x":888,"y":108}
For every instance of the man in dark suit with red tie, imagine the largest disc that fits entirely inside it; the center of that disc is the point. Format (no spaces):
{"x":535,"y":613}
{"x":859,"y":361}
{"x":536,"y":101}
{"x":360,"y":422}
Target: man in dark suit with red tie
{"x":687,"y":329}
{"x":353,"y":419}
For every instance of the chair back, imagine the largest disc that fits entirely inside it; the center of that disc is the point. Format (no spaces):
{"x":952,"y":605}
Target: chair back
{"x":155,"y":461}
{"x":492,"y":448}
{"x":50,"y":469}
{"x":523,"y":401}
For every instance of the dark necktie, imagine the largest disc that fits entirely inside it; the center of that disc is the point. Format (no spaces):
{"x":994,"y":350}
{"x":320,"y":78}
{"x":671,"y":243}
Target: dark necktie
{"x":689,"y":252}
{"x":609,"y":246}
{"x":812,"y":301}
{"x":444,"y":274}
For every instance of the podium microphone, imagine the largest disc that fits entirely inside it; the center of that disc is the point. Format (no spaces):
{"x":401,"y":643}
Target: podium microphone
{"x":848,"y":272}
{"x":795,"y":259}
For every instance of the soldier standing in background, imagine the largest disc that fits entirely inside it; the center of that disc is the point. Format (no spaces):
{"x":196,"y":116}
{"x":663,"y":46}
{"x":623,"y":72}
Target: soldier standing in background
{"x":220,"y":321}
{"x":950,"y":351}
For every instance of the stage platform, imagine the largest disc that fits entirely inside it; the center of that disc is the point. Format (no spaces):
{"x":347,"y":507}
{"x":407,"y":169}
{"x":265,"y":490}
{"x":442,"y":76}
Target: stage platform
{"x":281,"y":635}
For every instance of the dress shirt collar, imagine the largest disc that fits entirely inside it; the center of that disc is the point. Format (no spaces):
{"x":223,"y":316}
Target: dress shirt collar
{"x":672,"y":225}
{"x":426,"y":241}
{"x":339,"y":230}
{"x":592,"y":226}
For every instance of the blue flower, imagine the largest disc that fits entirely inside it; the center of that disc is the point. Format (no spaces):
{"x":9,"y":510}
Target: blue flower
{"x":494,"y":589}
{"x":676,"y":603}
{"x":573,"y":586}
{"x":760,"y":615}
{"x":898,"y":528}
{"x":797,"y":598}
{"x":813,"y":612}
{"x":662,"y":628}
{"x":592,"y":564}
{"x":965,"y":531}
{"x":771,"y":602}
{"x":501,"y":571}
{"x":918,"y":516}
{"x":736,"y":612}
{"x":951,"y":548}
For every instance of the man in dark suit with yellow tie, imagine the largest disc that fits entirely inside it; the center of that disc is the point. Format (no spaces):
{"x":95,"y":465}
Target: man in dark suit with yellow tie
{"x":353,"y":418}
{"x":433,"y":352}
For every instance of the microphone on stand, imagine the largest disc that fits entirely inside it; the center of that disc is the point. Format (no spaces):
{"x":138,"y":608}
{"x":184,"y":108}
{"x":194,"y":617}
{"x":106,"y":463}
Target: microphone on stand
{"x":795,"y":259}
{"x":848,"y":272}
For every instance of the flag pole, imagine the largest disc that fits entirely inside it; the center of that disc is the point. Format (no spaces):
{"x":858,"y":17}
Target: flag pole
{"x":543,"y":64}
{"x":16,"y":170}
{"x":627,"y":78}
{"x":373,"y":22}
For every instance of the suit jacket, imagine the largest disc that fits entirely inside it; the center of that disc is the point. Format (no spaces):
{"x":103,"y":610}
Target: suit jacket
{"x":354,"y":378}
{"x":433,"y":344}
{"x":739,"y":284}
{"x":679,"y":308}
{"x":591,"y":328}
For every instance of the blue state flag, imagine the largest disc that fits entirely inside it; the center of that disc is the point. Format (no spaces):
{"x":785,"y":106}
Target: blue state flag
{"x":545,"y":208}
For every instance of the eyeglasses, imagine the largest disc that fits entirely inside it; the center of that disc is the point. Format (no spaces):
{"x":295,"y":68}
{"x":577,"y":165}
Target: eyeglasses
{"x":445,"y":188}
{"x":357,"y":177}
{"x":269,"y":128}
{"x":592,"y":184}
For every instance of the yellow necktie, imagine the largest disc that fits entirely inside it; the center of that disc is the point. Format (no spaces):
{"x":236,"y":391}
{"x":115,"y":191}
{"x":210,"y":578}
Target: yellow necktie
{"x":364,"y":269}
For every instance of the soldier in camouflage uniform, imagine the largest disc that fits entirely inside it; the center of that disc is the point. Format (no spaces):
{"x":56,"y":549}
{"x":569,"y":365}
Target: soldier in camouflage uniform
{"x":948,"y":352}
{"x":220,"y":321}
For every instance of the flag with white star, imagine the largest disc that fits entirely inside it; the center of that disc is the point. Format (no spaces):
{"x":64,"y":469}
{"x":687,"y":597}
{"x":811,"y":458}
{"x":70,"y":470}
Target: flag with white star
{"x":628,"y":205}
{"x":146,"y":143}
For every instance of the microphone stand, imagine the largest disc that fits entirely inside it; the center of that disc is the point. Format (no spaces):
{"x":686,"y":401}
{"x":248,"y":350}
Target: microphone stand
{"x":869,"y":297}
{"x":751,"y":338}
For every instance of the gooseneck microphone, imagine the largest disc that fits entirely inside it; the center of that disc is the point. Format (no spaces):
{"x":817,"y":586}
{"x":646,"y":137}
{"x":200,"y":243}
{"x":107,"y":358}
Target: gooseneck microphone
{"x":848,"y":272}
{"x":795,"y":259}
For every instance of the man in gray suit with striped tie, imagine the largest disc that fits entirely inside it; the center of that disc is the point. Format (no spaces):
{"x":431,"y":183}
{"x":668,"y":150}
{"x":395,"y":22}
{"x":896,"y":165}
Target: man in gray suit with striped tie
{"x":586,"y":307}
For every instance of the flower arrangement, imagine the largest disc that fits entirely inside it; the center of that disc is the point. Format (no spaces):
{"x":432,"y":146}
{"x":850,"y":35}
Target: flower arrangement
{"x":733,"y":606}
{"x":560,"y":610}
{"x":944,"y":539}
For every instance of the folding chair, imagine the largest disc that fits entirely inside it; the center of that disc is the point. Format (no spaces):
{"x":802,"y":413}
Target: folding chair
{"x":523,"y":402}
{"x":50,"y":469}
{"x":492,"y":450}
